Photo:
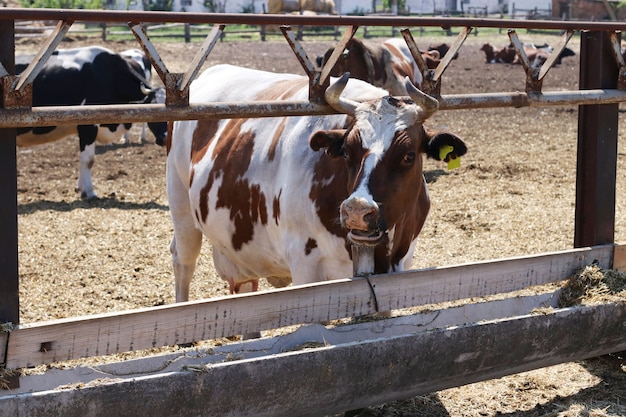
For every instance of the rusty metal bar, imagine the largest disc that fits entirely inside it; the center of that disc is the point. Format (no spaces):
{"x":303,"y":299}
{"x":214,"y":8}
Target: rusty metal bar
{"x":429,"y":84}
{"x":524,"y":99}
{"x":201,"y":56}
{"x":596,"y":166}
{"x":30,"y":73}
{"x":533,"y":83}
{"x":275,"y":19}
{"x":298,"y":50}
{"x":334,"y":56}
{"x":316,"y":87}
{"x":149,"y":49}
{"x":454,"y":48}
{"x":59,"y":115}
{"x":554,"y":55}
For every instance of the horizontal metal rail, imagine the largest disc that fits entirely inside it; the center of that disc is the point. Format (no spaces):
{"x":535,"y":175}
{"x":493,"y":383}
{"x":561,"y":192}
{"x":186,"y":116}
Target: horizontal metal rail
{"x":60,"y":115}
{"x":276,"y":19}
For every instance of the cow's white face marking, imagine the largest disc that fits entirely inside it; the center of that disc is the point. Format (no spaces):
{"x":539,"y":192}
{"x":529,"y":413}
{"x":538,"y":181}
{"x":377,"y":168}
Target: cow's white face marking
{"x":378,"y":123}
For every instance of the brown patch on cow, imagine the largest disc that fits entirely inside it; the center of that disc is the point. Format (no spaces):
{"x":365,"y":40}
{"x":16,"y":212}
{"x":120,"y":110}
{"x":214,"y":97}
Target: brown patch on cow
{"x":282,"y":90}
{"x":246,"y":202}
{"x":168,"y":137}
{"x":257,"y":204}
{"x":271,"y":153}
{"x":276,"y":207}
{"x":202,"y":137}
{"x":398,"y":184}
{"x":310,"y":245}
{"x":403,"y":68}
{"x":364,"y":61}
{"x":328,"y":190}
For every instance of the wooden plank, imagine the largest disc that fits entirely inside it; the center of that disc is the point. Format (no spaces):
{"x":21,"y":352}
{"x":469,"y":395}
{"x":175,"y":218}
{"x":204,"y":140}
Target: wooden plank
{"x":4,"y":337}
{"x":329,"y":380}
{"x":483,"y":278}
{"x":306,"y":335}
{"x":619,"y":258}
{"x":39,"y":343}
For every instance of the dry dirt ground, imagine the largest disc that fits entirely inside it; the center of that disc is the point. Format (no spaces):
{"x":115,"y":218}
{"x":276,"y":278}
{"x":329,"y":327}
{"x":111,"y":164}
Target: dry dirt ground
{"x":513,"y":195}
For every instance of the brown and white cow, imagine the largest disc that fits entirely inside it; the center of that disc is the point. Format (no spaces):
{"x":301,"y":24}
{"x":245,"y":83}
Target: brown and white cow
{"x":384,"y":65}
{"x":285,"y":197}
{"x":507,"y":55}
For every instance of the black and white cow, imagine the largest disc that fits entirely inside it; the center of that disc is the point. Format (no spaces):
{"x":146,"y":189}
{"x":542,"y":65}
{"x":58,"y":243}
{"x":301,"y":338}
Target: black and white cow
{"x":142,"y":59}
{"x":88,"y":76}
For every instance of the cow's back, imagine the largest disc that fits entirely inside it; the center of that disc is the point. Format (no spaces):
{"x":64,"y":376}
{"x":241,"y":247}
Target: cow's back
{"x":249,"y":182}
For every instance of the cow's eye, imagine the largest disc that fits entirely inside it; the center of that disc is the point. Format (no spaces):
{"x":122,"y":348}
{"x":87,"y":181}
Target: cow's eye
{"x":408,"y":158}
{"x":344,"y":153}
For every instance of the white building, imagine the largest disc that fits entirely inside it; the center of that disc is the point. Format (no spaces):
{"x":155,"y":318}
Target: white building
{"x":350,"y":6}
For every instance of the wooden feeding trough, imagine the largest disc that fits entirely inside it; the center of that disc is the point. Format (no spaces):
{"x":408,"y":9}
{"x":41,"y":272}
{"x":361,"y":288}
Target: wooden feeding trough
{"x":319,"y":370}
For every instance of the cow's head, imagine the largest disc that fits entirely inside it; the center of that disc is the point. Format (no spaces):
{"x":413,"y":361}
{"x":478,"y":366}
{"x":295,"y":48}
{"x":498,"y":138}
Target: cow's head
{"x":362,"y":60}
{"x":387,"y":201}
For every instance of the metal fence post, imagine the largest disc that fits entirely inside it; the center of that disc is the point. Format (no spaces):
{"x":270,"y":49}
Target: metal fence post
{"x":9,"y":295}
{"x":597,"y":145}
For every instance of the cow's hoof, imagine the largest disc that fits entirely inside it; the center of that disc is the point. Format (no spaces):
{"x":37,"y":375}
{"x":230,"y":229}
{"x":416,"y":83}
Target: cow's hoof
{"x":88,"y":197}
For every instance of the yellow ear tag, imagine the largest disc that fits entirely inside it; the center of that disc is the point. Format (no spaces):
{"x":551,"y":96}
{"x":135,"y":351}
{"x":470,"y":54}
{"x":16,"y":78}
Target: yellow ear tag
{"x":453,"y":162}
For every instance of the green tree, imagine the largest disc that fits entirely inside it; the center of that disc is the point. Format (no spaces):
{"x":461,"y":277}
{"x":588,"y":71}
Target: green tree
{"x":388,"y":4}
{"x":62,"y":4}
{"x":158,"y":5}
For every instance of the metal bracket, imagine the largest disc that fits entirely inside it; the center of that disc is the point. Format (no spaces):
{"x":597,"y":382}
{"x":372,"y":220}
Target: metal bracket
{"x":319,"y":80}
{"x":533,"y":83}
{"x":556,"y":52}
{"x":337,"y":52}
{"x":316,"y":92}
{"x":12,"y":98}
{"x":33,"y":69}
{"x":176,"y":84}
{"x":535,"y":75}
{"x":174,"y":96}
{"x":431,"y":83}
{"x":17,"y":90}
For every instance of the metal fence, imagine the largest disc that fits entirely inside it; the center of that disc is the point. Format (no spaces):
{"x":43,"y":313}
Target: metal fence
{"x":602,"y":87}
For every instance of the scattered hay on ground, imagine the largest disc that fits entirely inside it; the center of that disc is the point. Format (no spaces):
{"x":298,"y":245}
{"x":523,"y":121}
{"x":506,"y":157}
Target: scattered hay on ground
{"x":592,"y":285}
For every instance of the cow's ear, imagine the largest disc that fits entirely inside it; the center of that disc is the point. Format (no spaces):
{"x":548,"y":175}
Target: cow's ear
{"x":437,"y":140}
{"x":330,"y":140}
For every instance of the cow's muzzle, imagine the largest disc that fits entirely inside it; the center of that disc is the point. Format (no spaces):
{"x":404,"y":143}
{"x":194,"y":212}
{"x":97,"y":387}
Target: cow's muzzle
{"x":362,"y":220}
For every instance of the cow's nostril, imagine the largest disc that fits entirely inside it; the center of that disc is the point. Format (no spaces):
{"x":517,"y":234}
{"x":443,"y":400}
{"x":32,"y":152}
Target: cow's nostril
{"x":359,"y":214}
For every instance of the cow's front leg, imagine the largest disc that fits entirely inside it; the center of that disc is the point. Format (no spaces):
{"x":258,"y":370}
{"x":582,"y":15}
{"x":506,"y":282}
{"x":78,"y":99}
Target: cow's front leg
{"x":87,"y":138}
{"x":184,"y":257}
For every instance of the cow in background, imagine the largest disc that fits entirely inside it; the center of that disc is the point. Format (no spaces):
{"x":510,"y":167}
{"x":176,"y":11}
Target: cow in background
{"x":140,"y":57}
{"x":383,"y":64}
{"x":567,"y":52}
{"x":285,"y":197}
{"x":443,"y":49}
{"x":537,"y":55}
{"x":87,"y":76}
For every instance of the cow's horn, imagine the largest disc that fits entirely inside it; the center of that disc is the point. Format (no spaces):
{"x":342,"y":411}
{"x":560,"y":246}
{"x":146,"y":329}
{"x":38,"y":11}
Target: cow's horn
{"x":334,"y":99}
{"x":145,"y":90}
{"x":428,"y":103}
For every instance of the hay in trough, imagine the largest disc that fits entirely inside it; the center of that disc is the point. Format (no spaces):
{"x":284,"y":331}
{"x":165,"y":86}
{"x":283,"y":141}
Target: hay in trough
{"x":593,"y":285}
